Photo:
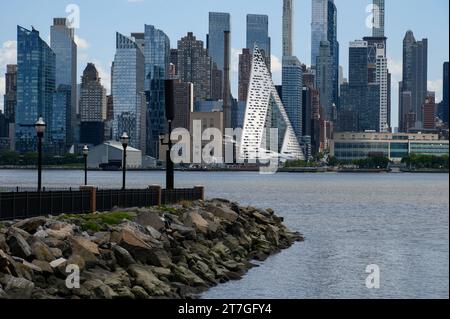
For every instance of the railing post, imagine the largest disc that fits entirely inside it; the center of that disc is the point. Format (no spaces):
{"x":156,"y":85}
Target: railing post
{"x":158,"y":190}
{"x":201,"y":191}
{"x":93,"y":197}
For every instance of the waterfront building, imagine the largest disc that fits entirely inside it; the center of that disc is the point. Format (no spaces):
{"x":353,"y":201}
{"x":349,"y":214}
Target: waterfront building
{"x":10,"y":98}
{"x":288,"y":13}
{"x":128,"y":92}
{"x":194,"y":66}
{"x":292,"y":78}
{"x":35,"y":88}
{"x":324,"y":80}
{"x":348,"y":146}
{"x":219,"y":22}
{"x":429,"y":113}
{"x":245,"y":67}
{"x":379,"y":18}
{"x":62,"y":42}
{"x":415,"y":69}
{"x":62,"y":101}
{"x":157,"y":62}
{"x":324,"y":28}
{"x":265,"y":111}
{"x":443,"y":106}
{"x":93,"y":107}
{"x":110,"y":154}
{"x":184,"y":104}
{"x":258,"y":34}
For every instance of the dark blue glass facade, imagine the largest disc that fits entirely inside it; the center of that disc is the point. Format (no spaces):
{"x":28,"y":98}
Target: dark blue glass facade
{"x":35,"y":88}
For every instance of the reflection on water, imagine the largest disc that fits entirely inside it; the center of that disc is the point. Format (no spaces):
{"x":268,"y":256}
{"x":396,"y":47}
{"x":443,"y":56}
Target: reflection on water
{"x":397,"y":221}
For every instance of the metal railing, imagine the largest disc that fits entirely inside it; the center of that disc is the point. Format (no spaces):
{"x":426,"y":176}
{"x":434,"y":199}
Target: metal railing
{"x":108,"y":199}
{"x":173,"y":196}
{"x":22,"y":205}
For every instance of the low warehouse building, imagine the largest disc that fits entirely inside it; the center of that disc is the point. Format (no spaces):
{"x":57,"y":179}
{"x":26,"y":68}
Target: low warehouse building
{"x":110,"y":155}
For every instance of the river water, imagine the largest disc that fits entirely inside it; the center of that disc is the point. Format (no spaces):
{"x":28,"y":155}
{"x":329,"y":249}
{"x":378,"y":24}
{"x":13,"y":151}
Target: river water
{"x":399,"y":222}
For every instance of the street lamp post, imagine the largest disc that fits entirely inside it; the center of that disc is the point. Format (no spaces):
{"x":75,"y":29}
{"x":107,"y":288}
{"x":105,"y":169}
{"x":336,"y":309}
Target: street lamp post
{"x":85,"y":155}
{"x":40,"y":129}
{"x":124,"y":139}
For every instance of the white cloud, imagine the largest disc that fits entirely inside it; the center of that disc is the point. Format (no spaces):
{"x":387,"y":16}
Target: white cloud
{"x":82,"y":44}
{"x":436,"y":86}
{"x":276,"y":69}
{"x":8,"y":53}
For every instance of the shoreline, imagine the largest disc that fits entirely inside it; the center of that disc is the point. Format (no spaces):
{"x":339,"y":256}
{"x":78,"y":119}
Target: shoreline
{"x":318,"y":170}
{"x":176,"y":252}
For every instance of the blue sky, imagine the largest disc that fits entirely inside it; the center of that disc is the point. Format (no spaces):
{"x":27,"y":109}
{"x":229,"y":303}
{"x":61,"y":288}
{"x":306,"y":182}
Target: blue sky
{"x":99,"y":19}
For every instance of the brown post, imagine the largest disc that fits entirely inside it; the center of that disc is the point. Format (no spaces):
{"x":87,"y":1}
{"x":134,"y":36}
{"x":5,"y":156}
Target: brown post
{"x":158,"y":191}
{"x":201,"y":190}
{"x":93,"y":195}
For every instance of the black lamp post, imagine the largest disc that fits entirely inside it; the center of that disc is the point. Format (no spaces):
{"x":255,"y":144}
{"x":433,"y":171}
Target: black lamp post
{"x":40,"y":129}
{"x":124,"y":139}
{"x":85,"y":155}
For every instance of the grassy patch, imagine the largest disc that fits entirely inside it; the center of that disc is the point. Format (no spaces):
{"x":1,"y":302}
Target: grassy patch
{"x":97,"y":222}
{"x":2,"y":225}
{"x":167,"y":209}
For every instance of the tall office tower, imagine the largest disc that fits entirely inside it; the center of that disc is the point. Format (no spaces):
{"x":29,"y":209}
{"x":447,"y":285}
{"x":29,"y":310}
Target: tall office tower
{"x":157,"y":62}
{"x":62,"y":42}
{"x":258,"y":34}
{"x":292,"y":92}
{"x":383,"y":81}
{"x":288,"y":13}
{"x":219,"y":22}
{"x":62,"y":100}
{"x":324,"y":80}
{"x":378,"y":18}
{"x":245,"y":68}
{"x":429,"y":112}
{"x":265,"y":111}
{"x":443,"y":106}
{"x":109,"y":108}
{"x":184,"y":104}
{"x":10,"y":98}
{"x":174,"y":58}
{"x":194,"y":66}
{"x":35,"y":88}
{"x":324,"y":28}
{"x":360,"y":100}
{"x":128,"y":92}
{"x":93,"y":107}
{"x":216,"y":83}
{"x":415,"y":69}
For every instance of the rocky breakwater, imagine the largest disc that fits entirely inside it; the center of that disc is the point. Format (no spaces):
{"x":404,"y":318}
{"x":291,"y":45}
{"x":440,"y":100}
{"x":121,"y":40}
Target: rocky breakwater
{"x":160,"y":252}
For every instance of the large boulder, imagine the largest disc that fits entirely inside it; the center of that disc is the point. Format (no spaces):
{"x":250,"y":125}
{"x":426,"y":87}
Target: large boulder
{"x":184,"y":275}
{"x":61,"y":231}
{"x":150,"y":219}
{"x":31,"y":225}
{"x":159,"y":258}
{"x":145,"y":278}
{"x":7,"y":264}
{"x":123,"y":257}
{"x":19,"y":246}
{"x":223,"y":213}
{"x":135,"y":243}
{"x":41,"y":251}
{"x":198,"y":222}
{"x":85,"y":248}
{"x":17,"y":288}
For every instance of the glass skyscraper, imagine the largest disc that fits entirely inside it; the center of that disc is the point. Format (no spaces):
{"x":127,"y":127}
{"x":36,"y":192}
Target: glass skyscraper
{"x":258,"y":33}
{"x":62,"y":42}
{"x":157,"y":61}
{"x":378,"y":12}
{"x":219,"y":22}
{"x":128,"y":87}
{"x":35,"y":88}
{"x":324,"y":28}
{"x":292,"y":92}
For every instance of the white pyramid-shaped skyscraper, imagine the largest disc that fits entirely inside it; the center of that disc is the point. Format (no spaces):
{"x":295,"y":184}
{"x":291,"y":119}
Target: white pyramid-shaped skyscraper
{"x":264,"y":112}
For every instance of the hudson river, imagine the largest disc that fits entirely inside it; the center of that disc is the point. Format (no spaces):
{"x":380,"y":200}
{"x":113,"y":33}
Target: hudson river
{"x":399,"y":222}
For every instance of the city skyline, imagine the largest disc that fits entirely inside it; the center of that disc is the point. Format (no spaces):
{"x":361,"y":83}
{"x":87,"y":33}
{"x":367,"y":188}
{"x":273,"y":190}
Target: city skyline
{"x":97,"y":44}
